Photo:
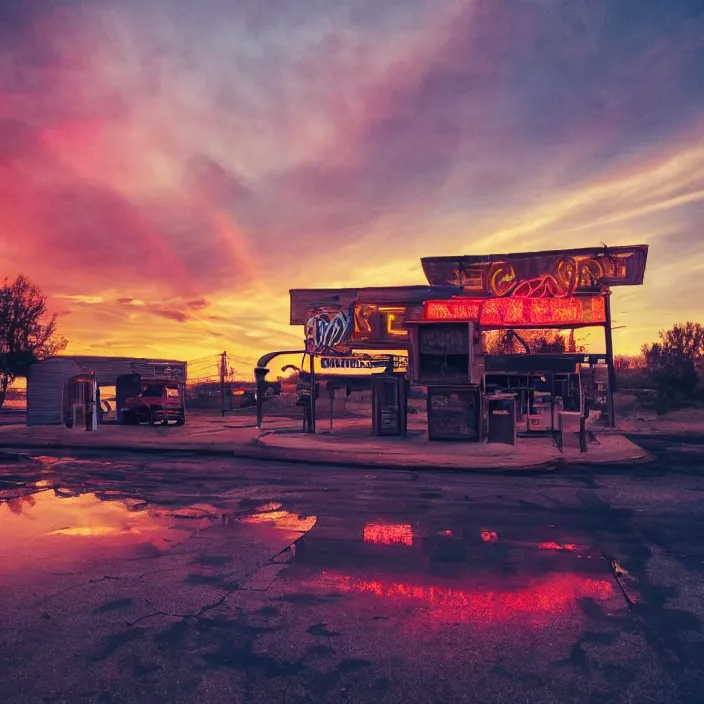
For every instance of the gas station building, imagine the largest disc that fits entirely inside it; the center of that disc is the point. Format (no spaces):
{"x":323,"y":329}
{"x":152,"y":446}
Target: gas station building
{"x":431,"y":336}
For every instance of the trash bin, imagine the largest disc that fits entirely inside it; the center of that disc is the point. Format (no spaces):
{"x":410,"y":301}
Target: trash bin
{"x":501,"y":412}
{"x":571,"y":431}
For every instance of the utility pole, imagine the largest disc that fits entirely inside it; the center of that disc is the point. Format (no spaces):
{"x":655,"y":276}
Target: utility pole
{"x":223,"y":371}
{"x":610,"y":359}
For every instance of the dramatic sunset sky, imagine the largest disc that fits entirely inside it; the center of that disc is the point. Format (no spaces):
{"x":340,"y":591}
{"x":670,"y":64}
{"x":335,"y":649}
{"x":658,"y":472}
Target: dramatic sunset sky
{"x":169,"y":169}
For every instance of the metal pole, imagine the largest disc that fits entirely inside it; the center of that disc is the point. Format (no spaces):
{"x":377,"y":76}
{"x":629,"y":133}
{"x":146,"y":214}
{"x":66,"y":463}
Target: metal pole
{"x":260,"y":374}
{"x":403,"y":405}
{"x":332,"y":405}
{"x":90,"y":403}
{"x":610,"y":360}
{"x":223,"y":358}
{"x":312,"y":393}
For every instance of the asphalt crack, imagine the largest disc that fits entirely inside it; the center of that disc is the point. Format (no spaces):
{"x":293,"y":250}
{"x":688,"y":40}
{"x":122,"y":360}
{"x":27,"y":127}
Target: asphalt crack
{"x":196,"y":615}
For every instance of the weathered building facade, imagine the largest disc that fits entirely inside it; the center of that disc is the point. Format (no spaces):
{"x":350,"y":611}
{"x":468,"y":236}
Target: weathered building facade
{"x":438,"y":326}
{"x":58,"y":382}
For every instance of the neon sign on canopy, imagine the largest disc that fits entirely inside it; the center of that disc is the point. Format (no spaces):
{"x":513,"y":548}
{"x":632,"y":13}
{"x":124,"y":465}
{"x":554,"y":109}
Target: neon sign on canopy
{"x":499,"y":312}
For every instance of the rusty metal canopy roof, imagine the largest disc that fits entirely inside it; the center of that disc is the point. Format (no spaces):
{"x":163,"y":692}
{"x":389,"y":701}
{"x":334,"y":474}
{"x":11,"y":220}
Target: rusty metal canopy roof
{"x":98,"y":359}
{"x":443,"y":270}
{"x":305,"y":300}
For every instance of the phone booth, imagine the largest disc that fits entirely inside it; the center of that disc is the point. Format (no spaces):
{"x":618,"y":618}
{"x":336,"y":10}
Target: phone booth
{"x":389,"y":405}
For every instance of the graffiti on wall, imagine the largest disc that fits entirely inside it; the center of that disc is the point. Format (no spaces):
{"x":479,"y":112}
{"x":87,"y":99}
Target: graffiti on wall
{"x":335,"y":328}
{"x":328,"y":330}
{"x":541,"y":275}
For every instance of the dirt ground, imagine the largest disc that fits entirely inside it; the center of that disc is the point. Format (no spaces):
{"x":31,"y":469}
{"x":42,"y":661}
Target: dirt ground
{"x":631,"y":417}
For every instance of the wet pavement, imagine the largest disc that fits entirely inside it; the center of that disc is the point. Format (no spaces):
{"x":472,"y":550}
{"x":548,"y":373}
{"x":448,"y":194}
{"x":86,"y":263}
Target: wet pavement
{"x":128,"y":579}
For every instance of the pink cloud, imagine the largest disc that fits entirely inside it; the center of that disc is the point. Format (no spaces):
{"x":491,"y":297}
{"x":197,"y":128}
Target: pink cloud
{"x":181,"y":155}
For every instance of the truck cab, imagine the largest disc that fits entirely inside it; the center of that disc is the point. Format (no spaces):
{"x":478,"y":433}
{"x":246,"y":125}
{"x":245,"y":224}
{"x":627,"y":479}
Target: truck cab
{"x":149,"y":401}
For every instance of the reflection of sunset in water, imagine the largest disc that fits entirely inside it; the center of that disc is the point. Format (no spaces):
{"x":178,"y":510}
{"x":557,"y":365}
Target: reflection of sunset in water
{"x":388,"y":534}
{"x":284,"y":520}
{"x":21,"y":504}
{"x":47,"y":529}
{"x":539,"y":601}
{"x":86,"y":531}
{"x":83,"y":514}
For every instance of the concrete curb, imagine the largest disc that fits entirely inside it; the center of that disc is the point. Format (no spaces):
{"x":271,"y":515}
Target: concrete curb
{"x":645,"y":458}
{"x":259,"y":451}
{"x":283,"y":456}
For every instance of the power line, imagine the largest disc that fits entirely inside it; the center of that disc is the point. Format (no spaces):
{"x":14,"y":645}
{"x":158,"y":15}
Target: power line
{"x":202,"y":365}
{"x":205,"y":360}
{"x":202,"y":359}
{"x":202,"y":370}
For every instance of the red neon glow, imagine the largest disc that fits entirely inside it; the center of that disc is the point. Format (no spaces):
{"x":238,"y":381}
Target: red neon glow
{"x":456,"y":309}
{"x":569,"y":547}
{"x":598,"y":308}
{"x":540,"y":602}
{"x":489,"y":536}
{"x":388,"y":534}
{"x":499,"y":312}
{"x":539,"y":287}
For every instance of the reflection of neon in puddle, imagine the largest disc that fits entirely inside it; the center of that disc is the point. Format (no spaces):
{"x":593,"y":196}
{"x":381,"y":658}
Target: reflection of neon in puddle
{"x":388,"y":534}
{"x":541,"y":600}
{"x":568,"y":547}
{"x":489,"y":536}
{"x":284,"y":520}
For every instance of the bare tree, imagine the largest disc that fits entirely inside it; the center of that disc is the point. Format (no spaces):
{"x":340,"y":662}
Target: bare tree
{"x":512,"y":342}
{"x":675,"y":364}
{"x":26,"y":333}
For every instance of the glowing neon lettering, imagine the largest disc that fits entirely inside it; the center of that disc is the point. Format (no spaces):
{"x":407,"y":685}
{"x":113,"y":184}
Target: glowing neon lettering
{"x":500,"y":312}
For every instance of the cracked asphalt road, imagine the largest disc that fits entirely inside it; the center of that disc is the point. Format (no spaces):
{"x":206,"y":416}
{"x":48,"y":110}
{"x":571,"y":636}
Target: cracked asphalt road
{"x":139,"y":579}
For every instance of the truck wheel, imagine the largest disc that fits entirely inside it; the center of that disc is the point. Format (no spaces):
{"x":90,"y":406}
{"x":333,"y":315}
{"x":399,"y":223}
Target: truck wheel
{"x":180,"y":421}
{"x":150,"y":416}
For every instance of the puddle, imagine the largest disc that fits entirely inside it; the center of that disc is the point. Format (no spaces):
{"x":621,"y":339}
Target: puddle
{"x":279,"y":518}
{"x":455,"y":572}
{"x":60,"y":529}
{"x":51,"y":462}
{"x":385,"y":534}
{"x":190,"y":513}
{"x":53,"y":528}
{"x":271,"y":506}
{"x":537,"y":601}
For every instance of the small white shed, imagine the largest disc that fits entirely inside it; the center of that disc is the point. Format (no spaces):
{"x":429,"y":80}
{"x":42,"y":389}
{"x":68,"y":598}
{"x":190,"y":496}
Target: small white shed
{"x":49,"y":380}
